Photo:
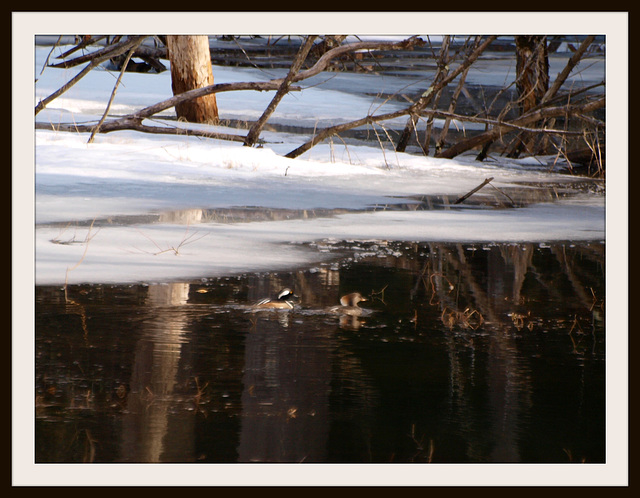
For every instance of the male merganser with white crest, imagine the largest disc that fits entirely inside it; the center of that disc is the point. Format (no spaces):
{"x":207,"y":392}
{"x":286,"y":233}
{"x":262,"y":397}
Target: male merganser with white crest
{"x":283,"y":301}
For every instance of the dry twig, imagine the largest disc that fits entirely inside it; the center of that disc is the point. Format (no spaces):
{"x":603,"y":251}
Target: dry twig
{"x":95,"y":61}
{"x":115,"y":88}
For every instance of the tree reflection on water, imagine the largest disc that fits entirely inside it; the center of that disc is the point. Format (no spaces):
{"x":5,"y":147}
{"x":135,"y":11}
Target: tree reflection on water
{"x":465,"y":353}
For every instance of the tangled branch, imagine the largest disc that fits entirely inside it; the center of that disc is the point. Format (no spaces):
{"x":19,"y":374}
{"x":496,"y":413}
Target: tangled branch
{"x":539,"y":119}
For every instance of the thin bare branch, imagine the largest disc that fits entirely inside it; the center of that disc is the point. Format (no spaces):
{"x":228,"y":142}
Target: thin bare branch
{"x":333,"y":130}
{"x":254,"y":132}
{"x":83,"y":44}
{"x":471,"y":192}
{"x":130,"y":124}
{"x":564,"y":74}
{"x":115,"y":50}
{"x":113,"y":92}
{"x":200,"y":92}
{"x":101,"y":55}
{"x":436,"y":86}
{"x":530,"y":117}
{"x":452,"y":107}
{"x":323,"y":61}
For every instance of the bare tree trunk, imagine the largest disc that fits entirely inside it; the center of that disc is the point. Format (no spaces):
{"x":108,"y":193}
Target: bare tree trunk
{"x":532,"y":68}
{"x":190,"y":59}
{"x":532,"y":82}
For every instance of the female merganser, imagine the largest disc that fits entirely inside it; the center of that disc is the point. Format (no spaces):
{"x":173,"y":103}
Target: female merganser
{"x":283,"y":301}
{"x":349,"y":304}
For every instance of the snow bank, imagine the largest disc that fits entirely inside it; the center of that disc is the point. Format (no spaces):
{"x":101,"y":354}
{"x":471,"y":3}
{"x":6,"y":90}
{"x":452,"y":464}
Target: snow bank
{"x":133,"y":174}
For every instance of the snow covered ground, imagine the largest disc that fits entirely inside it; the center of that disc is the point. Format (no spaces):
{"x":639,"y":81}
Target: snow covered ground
{"x":130,"y":173}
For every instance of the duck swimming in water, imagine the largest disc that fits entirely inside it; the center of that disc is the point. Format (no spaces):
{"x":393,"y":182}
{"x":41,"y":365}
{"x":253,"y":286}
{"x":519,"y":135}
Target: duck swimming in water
{"x":351,"y":300}
{"x":283,"y":301}
{"x":349,"y":304}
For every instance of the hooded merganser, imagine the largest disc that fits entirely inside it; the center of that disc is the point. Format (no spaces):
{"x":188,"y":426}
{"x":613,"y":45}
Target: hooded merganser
{"x":283,"y":301}
{"x":352,"y":299}
{"x":349,"y":304}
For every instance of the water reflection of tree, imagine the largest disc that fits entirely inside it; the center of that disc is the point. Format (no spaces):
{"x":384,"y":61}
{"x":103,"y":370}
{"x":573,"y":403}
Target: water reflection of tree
{"x":508,"y":386}
{"x":505,"y":281}
{"x":146,"y":435}
{"x":509,"y":286}
{"x":500,"y":299}
{"x":302,"y":374}
{"x":287,"y":382}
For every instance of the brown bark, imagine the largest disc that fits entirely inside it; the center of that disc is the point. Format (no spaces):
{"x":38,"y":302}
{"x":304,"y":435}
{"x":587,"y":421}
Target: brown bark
{"x":190,"y":59}
{"x":552,"y":91}
{"x":443,"y":70}
{"x":415,"y":108}
{"x":327,"y":43}
{"x":470,"y":193}
{"x":532,"y":83}
{"x":436,"y":87}
{"x":572,"y":63}
{"x":113,"y":93}
{"x":532,"y":117}
{"x":128,"y":123}
{"x":323,"y":61}
{"x":254,"y":132}
{"x":105,"y":54}
{"x":532,"y":69}
{"x":113,"y":50}
{"x":134,"y":121}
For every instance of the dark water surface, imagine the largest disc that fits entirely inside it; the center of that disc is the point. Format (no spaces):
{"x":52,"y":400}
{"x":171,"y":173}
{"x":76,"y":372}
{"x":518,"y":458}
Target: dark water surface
{"x":465,"y":353}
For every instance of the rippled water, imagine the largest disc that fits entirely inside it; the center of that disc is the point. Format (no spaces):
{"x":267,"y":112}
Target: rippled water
{"x":465,"y":353}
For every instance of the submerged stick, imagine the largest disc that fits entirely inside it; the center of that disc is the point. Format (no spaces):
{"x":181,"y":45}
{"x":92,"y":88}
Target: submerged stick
{"x":470,"y":193}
